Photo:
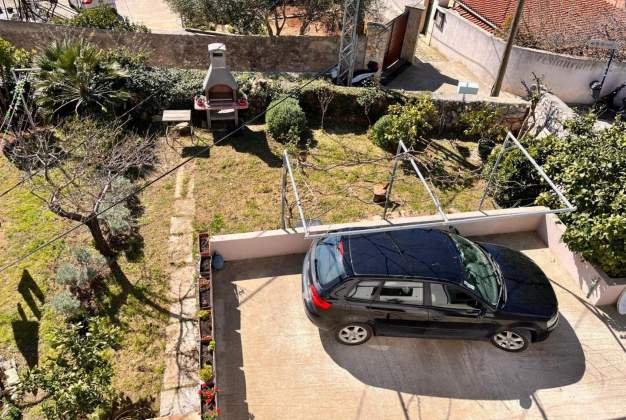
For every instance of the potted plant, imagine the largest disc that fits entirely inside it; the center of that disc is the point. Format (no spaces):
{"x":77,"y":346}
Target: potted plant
{"x":204,"y":244}
{"x":207,"y":395}
{"x":212,"y":414}
{"x":206,"y":329}
{"x":206,"y":373}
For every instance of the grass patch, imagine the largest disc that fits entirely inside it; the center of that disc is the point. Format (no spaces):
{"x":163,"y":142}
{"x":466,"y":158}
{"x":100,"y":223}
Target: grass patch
{"x":140,"y":308}
{"x":240,"y":183}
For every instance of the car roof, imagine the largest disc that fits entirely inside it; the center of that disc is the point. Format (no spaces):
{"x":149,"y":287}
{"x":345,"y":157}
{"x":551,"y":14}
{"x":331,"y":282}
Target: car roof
{"x":427,"y":253}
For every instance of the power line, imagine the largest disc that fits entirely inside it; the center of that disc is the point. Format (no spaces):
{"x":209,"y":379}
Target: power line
{"x":199,"y":153}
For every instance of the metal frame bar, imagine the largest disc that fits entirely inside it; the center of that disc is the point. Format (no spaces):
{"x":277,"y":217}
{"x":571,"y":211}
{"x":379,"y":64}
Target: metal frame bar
{"x":402,"y":152}
{"x":295,"y":191}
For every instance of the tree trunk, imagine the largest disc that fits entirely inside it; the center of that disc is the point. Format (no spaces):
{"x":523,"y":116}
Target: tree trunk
{"x":99,"y":240}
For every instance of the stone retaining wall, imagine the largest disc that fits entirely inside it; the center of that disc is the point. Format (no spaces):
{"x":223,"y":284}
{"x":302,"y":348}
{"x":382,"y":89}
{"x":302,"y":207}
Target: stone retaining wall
{"x":245,"y":53}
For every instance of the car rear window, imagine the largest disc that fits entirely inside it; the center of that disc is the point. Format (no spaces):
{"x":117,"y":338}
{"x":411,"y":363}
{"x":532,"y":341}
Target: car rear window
{"x":329,"y":261}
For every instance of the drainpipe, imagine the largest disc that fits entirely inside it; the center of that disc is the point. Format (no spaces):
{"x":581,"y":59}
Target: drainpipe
{"x":497,"y":86}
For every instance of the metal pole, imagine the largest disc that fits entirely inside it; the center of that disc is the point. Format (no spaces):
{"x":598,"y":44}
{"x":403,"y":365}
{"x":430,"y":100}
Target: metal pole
{"x":493,"y":172}
{"x":606,"y":72}
{"x":390,"y":186}
{"x":556,"y":189}
{"x":432,"y":195}
{"x":497,"y":86}
{"x":295,"y":192}
{"x":283,"y":192}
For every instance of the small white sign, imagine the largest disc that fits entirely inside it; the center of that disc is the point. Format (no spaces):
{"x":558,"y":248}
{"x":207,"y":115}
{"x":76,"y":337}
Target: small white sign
{"x":467,"y":88}
{"x":603,"y":43}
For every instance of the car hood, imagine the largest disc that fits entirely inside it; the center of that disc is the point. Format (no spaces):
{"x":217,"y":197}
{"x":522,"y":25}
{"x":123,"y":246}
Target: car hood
{"x":528,"y":290}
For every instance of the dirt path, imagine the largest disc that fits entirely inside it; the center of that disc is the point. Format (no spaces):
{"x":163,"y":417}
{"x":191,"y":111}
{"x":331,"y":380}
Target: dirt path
{"x":179,"y":393}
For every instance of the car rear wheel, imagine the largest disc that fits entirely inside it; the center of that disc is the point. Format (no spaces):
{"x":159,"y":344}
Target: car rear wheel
{"x":511,"y":340}
{"x":353,"y":334}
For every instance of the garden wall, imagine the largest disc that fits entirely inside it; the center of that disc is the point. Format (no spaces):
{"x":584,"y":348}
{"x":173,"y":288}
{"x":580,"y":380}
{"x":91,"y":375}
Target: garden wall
{"x":245,"y":53}
{"x":566,"y":76}
{"x":345,"y":111}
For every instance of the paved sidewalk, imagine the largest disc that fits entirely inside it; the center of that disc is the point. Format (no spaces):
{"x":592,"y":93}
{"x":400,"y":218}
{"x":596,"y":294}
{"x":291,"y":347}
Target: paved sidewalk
{"x":179,"y":393}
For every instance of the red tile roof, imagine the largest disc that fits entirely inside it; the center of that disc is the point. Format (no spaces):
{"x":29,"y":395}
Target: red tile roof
{"x":563,"y":25}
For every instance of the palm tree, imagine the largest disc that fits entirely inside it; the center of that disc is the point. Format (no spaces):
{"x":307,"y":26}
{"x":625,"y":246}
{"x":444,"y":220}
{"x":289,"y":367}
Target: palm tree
{"x":78,"y":76}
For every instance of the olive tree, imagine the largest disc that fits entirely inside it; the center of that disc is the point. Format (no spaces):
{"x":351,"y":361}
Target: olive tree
{"x":81,"y":169}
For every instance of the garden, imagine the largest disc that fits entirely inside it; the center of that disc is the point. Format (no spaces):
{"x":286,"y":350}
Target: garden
{"x":82,"y":158}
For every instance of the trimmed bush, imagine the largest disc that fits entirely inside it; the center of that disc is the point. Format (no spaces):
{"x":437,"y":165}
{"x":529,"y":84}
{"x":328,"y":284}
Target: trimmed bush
{"x":408,"y":123}
{"x":259,"y":90}
{"x":381,"y":133}
{"x":286,"y":122}
{"x":65,"y":304}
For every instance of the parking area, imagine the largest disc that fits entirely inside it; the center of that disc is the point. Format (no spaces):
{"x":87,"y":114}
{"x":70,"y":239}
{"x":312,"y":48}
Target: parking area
{"x":274,"y":364}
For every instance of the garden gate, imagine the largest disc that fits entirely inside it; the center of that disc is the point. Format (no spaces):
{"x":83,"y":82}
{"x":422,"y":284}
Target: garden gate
{"x":397,"y":29}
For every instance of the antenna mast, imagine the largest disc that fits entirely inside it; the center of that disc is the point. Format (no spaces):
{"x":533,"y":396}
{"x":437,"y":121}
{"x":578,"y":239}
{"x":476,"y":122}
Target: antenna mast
{"x":349,"y":42}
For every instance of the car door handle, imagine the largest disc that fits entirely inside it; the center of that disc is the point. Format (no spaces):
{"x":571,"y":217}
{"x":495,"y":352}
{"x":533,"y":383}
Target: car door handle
{"x":436,"y":318}
{"x":378,"y":308}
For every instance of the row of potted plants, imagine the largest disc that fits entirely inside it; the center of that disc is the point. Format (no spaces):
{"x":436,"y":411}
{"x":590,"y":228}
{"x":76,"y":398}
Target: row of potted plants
{"x":208,"y":390}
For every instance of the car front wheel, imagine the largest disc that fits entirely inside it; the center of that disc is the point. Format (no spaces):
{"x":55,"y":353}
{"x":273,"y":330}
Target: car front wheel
{"x":511,"y":340}
{"x":353,"y":334}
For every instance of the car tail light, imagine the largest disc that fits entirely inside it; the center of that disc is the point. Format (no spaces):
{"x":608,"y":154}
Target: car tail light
{"x":317,"y":299}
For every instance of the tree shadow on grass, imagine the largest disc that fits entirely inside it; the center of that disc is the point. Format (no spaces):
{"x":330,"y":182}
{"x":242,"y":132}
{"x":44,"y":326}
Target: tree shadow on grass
{"x":254,"y":143}
{"x":117,"y":301}
{"x":124,"y":407}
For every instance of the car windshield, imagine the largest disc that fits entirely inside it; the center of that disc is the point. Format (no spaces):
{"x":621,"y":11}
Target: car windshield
{"x":481,"y":276}
{"x":329,"y":261}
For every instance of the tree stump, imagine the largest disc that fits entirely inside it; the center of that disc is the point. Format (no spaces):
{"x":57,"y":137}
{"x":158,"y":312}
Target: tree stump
{"x":380,"y":193}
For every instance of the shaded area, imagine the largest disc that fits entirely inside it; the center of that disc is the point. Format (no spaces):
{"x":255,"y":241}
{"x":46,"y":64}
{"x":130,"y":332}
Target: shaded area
{"x":26,"y":335}
{"x":449,"y":368}
{"x":421,"y":77}
{"x":254,"y":143}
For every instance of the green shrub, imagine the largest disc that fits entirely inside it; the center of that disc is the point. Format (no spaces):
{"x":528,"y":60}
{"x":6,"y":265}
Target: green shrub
{"x":381,"y":133}
{"x":483,"y":124}
{"x":76,"y":378}
{"x":161,"y":88}
{"x":65,"y":304}
{"x":409,"y":123}
{"x":101,"y":17}
{"x":590,"y":167}
{"x":285,"y":120}
{"x":206,"y":373}
{"x":260,"y":91}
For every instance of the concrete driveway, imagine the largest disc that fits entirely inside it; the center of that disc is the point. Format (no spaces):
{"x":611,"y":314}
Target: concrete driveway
{"x":272,"y":363}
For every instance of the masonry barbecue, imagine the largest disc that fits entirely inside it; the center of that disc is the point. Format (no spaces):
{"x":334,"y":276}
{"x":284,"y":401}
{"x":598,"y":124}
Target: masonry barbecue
{"x":221,"y":100}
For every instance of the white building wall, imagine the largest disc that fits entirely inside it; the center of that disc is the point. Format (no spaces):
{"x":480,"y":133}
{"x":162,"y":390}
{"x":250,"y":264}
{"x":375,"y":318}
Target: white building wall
{"x":566,"y":76}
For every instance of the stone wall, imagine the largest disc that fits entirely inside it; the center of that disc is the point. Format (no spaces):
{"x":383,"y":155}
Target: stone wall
{"x":566,"y":76}
{"x":245,"y":53}
{"x":512,"y":111}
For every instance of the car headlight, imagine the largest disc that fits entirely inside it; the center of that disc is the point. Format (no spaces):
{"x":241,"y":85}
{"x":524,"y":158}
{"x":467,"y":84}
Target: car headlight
{"x":552,"y":321}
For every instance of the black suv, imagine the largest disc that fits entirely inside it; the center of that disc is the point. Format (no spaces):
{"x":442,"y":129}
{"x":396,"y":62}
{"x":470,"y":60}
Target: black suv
{"x":426,"y":283}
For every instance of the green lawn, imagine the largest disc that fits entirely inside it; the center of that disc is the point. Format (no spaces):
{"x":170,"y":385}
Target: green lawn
{"x":139,"y":308}
{"x":238,"y":187}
